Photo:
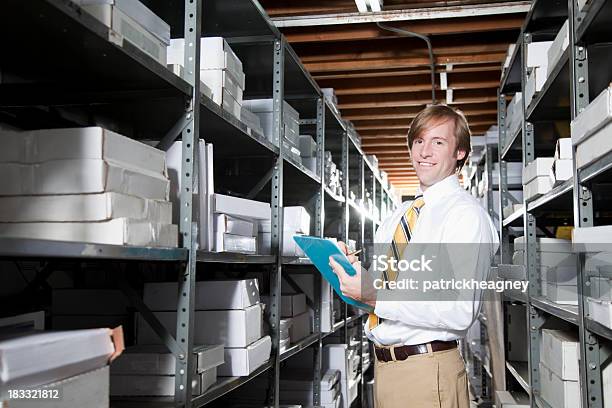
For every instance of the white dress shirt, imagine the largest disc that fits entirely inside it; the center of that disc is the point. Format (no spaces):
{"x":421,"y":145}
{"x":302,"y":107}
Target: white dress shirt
{"x":450,"y":215}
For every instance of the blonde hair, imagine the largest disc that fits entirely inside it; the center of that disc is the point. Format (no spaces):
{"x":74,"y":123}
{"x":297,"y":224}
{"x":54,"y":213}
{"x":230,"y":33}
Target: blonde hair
{"x":441,"y":113}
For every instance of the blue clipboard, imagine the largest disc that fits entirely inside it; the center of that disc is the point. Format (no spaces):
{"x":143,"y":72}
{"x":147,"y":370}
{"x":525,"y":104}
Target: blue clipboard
{"x":319,"y":250}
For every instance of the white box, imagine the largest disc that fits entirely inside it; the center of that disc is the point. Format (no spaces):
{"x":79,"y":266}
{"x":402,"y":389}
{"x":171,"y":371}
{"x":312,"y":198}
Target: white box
{"x":535,"y":82}
{"x":353,"y":389}
{"x":151,"y":385}
{"x":89,"y":302}
{"x":593,"y":147}
{"x":140,"y":13}
{"x":120,"y":231}
{"x":562,"y":294}
{"x":597,"y":114}
{"x":543,"y":244}
{"x":539,"y":167}
{"x":601,"y":288}
{"x":308,"y":146}
{"x":558,"y":393}
{"x":559,"y":275}
{"x":204,"y":183}
{"x":563,"y":149}
{"x":263,"y":108}
{"x":80,"y":176}
{"x":233,"y":328}
{"x":157,"y":360}
{"x":38,"y":146}
{"x":235,"y":243}
{"x":537,"y":54}
{"x":129,"y":29}
{"x":251,"y":120}
{"x":562,"y":170}
{"x":83,"y":207}
{"x":296,"y":219}
{"x":505,"y":399}
{"x":231,"y":225}
{"x":241,"y":207}
{"x":231,"y":105}
{"x":290,"y":248}
{"x":512,"y":272}
{"x":537,"y":187}
{"x":284,"y":344}
{"x":592,"y":239}
{"x":558,"y":46}
{"x":300,"y":327}
{"x":215,"y":53}
{"x":219,"y":80}
{"x":209,"y":295}
{"x":293,"y":305}
{"x":243,"y":361}
{"x":88,"y":389}
{"x":600,"y":311}
{"x":559,"y":352}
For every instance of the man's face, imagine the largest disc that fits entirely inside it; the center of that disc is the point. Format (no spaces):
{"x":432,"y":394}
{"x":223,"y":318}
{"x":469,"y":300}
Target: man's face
{"x":434,"y":153}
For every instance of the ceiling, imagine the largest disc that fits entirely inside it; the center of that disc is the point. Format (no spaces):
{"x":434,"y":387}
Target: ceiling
{"x":382,"y":80}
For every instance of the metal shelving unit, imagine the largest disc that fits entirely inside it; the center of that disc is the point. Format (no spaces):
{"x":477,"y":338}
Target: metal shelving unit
{"x":144,"y":100}
{"x":582,"y":72}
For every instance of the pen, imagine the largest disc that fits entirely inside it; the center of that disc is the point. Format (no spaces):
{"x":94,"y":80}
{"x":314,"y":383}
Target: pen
{"x":354,"y":253}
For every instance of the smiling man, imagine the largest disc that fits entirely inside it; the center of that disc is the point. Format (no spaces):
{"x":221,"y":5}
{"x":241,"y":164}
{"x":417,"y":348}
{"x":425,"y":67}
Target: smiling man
{"x":417,"y":359}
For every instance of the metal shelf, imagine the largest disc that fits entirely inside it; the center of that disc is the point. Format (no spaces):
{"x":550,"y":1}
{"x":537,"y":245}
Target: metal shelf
{"x":520,"y":371}
{"x":598,"y":328}
{"x":37,"y":248}
{"x":595,"y":24}
{"x":556,"y":193}
{"x":234,"y":258}
{"x":541,"y":403}
{"x":511,"y":80}
{"x":292,"y":260}
{"x":552,"y":102}
{"x":299,"y":346}
{"x":568,"y":313}
{"x":515,"y":296}
{"x":511,"y":143}
{"x":512,"y":220}
{"x":309,"y":175}
{"x":596,"y":169}
{"x":332,"y":195}
{"x":545,"y":15}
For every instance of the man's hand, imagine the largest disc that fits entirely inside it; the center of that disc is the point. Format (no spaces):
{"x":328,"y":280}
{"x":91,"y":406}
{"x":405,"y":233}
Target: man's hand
{"x":359,"y":286}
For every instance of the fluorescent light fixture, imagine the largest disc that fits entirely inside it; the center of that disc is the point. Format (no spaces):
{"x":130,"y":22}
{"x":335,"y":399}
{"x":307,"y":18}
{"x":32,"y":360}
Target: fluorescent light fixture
{"x":361,"y":6}
{"x":375,"y":5}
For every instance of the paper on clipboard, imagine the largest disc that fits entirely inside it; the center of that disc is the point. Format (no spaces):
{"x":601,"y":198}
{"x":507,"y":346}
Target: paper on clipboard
{"x":319,"y":250}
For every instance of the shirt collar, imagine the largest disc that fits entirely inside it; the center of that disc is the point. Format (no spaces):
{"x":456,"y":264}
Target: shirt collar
{"x":440,"y":189}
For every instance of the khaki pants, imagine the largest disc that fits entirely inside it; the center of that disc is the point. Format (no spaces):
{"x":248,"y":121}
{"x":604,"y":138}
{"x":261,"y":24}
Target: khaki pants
{"x":425,"y":380}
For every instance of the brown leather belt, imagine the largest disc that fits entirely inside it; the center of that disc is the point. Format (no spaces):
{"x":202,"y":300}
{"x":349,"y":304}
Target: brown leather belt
{"x":403,"y":352}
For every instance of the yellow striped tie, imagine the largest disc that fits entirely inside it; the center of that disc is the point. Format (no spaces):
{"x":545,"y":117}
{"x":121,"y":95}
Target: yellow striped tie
{"x":401,"y":237}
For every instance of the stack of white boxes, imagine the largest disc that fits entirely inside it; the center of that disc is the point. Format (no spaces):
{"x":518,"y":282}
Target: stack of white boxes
{"x":263,"y":108}
{"x":562,"y":167}
{"x":297,"y":388}
{"x":559,"y":376}
{"x":72,"y":366}
{"x":514,"y":114}
{"x":558,"y":268}
{"x":133,"y":22}
{"x":332,"y":174}
{"x":150,"y":371}
{"x":537,"y":177}
{"x":295,"y":319}
{"x":592,"y":130}
{"x":220,"y":70}
{"x":343,"y":358}
{"x":296,"y":221}
{"x":236,"y":224}
{"x":595,"y":241}
{"x":308,"y":152}
{"x":226,"y":312}
{"x":306,"y":286}
{"x":98,"y":187}
{"x":536,"y":58}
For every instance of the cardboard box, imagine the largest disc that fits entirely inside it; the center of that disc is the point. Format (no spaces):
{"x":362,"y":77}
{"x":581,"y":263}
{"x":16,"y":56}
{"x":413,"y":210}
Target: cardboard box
{"x":120,"y":231}
{"x":594,"y":147}
{"x":241,"y":207}
{"x":140,"y":385}
{"x":139,"y":13}
{"x":563,"y":149}
{"x":537,"y":54}
{"x":88,"y":389}
{"x":293,"y":305}
{"x":129,"y":29}
{"x":243,"y":361}
{"x":209,"y":295}
{"x":536,"y":79}
{"x":562,"y":294}
{"x":237,"y":226}
{"x":80,"y":176}
{"x":203,"y":196}
{"x":231,"y":105}
{"x":537,"y":187}
{"x":219,"y":80}
{"x":215,"y":54}
{"x":558,"y":393}
{"x":233,"y":328}
{"x":559,"y":352}
{"x":308,"y":146}
{"x":83,"y":208}
{"x":263,"y":108}
{"x":290,"y":248}
{"x":558,"y":46}
{"x":300,"y":328}
{"x":600,"y":311}
{"x":539,"y":167}
{"x":593,"y":118}
{"x":562,"y":170}
{"x":235,"y":243}
{"x":89,"y":302}
{"x":251,"y":120}
{"x":592,"y":239}
{"x":157,"y":360}
{"x":601,"y":288}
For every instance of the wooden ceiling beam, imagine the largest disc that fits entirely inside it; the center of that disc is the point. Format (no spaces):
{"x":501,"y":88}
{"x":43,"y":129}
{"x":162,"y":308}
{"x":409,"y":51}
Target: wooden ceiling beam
{"x":405,"y":72}
{"x":408,"y":112}
{"x":352,"y":32}
{"x":460,"y":97}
